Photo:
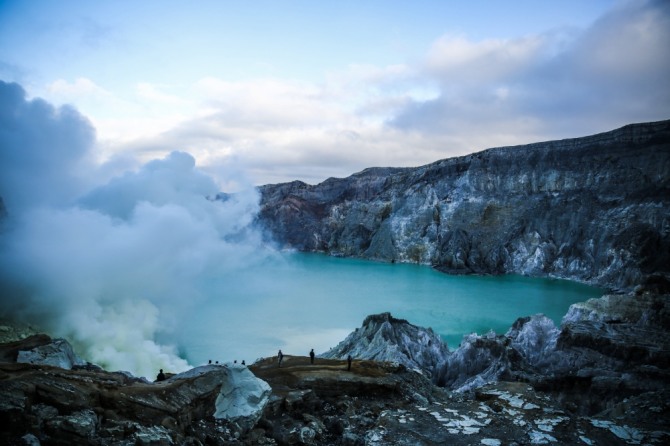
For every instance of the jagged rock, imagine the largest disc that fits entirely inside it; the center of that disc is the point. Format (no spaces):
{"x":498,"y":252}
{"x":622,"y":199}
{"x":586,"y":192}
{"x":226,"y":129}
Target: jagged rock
{"x":385,"y":338}
{"x":57,"y":353}
{"x":593,"y":209}
{"x":87,"y":406}
{"x":77,"y":427}
{"x":606,"y":350}
{"x":153,"y":436}
{"x":377,"y":403}
{"x":242,"y":398}
{"x":478,"y":361}
{"x":496,"y":414}
{"x":30,"y":440}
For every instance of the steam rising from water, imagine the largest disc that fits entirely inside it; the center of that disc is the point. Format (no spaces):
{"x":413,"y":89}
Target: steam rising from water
{"x":113,"y":265}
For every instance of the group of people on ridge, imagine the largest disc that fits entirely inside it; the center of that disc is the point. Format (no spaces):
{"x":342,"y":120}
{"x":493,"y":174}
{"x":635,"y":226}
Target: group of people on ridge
{"x":280,"y":358}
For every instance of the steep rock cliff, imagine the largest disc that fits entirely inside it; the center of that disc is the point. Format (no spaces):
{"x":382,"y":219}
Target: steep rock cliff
{"x":593,"y":209}
{"x":385,"y":338}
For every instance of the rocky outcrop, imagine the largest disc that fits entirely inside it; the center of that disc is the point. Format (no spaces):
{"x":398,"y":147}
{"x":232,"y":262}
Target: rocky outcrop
{"x":87,"y":405}
{"x":385,"y":338}
{"x":57,"y":353}
{"x":242,"y":398}
{"x":324,"y":403}
{"x":606,"y":351}
{"x":593,"y":209}
{"x":381,"y":403}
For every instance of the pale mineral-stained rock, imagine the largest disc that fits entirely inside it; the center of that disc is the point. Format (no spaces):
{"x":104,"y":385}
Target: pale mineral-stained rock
{"x":385,"y":338}
{"x":594,"y":209}
{"x":57,"y":353}
{"x":242,"y":397}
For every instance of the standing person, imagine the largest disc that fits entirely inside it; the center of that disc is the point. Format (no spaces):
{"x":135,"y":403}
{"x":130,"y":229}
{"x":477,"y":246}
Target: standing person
{"x":349,"y":363}
{"x":311,"y":356}
{"x":280,"y":356}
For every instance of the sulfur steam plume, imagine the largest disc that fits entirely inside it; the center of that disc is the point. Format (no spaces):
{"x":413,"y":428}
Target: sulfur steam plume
{"x":109,"y":266}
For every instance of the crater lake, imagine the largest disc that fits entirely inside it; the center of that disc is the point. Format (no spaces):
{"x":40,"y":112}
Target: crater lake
{"x":297,"y":301}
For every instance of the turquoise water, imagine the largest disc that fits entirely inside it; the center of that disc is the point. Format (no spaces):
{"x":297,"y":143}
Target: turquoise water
{"x":301,"y":301}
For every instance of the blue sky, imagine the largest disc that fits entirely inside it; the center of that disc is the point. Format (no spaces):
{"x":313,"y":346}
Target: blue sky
{"x":283,"y":90}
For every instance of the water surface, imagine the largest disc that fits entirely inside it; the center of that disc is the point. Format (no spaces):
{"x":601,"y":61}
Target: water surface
{"x":301,"y":301}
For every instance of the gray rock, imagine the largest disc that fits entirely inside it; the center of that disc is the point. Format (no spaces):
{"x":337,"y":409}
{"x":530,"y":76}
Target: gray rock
{"x":57,"y":353}
{"x":153,"y":436}
{"x":242,"y":398}
{"x":30,"y":440}
{"x":385,"y":338}
{"x":593,"y":209}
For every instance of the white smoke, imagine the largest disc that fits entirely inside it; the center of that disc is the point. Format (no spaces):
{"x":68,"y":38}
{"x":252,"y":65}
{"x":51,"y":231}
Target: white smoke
{"x":113,"y":266}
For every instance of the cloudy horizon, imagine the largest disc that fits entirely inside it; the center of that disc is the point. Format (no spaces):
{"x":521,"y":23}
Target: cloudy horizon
{"x":299,"y":91}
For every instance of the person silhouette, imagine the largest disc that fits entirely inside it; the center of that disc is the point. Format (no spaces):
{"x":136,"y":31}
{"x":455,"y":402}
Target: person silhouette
{"x":280,"y":356}
{"x":161,"y":376}
{"x":348,"y":362}
{"x":311,"y":356}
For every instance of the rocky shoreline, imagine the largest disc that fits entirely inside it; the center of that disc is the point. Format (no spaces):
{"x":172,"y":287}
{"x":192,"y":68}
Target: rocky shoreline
{"x":591,"y":209}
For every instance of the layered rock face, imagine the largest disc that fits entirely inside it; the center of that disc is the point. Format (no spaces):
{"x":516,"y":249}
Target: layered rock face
{"x":385,"y":338}
{"x":594,"y":209}
{"x":44,"y":404}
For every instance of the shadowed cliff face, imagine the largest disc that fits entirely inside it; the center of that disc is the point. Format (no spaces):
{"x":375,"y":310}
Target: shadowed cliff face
{"x":593,"y":209}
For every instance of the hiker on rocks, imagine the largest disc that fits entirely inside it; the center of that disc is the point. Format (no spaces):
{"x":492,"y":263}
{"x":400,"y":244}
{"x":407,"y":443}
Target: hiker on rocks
{"x":311,"y":356}
{"x":349,"y":363}
{"x":161,"y":376}
{"x":280,"y":356}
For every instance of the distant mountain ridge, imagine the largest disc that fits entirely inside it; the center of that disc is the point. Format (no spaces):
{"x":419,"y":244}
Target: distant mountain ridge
{"x":594,"y":209}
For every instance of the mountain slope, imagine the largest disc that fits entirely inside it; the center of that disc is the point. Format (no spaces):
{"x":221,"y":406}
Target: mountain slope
{"x":593,"y":209}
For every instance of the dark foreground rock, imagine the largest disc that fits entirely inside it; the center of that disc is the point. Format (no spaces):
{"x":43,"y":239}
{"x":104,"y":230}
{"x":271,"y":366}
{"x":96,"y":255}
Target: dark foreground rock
{"x":601,"y":378}
{"x":593,"y":209}
{"x":49,"y":405}
{"x":378,"y":403}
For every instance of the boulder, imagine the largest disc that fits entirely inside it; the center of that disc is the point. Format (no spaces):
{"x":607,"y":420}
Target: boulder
{"x":57,"y":353}
{"x":242,"y":398}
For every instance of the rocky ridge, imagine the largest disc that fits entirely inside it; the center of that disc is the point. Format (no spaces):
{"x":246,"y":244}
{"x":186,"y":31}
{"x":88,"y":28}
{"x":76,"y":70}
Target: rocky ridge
{"x":600,"y":378}
{"x":45,"y":404}
{"x":385,"y":338}
{"x":605,"y":350}
{"x":592,"y":209}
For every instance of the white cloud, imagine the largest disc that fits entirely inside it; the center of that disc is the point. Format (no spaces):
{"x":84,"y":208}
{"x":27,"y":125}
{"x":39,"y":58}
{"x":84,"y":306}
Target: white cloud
{"x":462,"y":96}
{"x":457,"y":59}
{"x":560,"y":84}
{"x":80,"y":88}
{"x":112,"y":265}
{"x":153,"y":93}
